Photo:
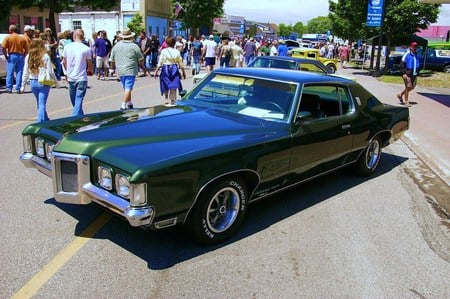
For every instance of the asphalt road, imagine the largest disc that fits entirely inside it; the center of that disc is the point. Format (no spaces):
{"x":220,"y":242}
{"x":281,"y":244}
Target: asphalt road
{"x":339,"y":236}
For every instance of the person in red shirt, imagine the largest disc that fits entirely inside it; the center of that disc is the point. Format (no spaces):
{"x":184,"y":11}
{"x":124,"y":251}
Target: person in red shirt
{"x":344,"y":51}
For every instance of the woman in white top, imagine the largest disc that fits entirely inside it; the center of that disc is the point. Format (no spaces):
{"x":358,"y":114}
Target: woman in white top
{"x":170,"y":63}
{"x":37,"y":58}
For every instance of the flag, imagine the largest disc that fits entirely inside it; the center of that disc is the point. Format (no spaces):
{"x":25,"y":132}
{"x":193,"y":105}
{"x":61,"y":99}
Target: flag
{"x":178,"y":9}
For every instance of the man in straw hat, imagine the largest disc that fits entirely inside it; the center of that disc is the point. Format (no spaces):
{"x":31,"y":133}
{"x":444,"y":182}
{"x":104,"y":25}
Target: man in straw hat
{"x":126,"y":58}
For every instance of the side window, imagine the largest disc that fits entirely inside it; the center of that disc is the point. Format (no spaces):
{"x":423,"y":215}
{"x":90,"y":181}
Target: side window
{"x":326,"y":101}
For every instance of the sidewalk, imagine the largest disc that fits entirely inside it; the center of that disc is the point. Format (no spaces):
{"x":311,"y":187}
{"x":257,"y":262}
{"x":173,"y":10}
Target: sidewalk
{"x":429,"y":132}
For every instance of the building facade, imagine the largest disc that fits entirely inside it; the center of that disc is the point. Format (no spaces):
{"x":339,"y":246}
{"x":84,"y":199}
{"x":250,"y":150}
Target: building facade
{"x":30,"y":16}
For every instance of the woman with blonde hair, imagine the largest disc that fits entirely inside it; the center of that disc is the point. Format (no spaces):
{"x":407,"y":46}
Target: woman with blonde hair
{"x":36,"y":59}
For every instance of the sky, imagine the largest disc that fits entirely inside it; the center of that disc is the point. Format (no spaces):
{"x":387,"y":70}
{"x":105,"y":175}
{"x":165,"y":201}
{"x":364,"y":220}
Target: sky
{"x":290,"y":12}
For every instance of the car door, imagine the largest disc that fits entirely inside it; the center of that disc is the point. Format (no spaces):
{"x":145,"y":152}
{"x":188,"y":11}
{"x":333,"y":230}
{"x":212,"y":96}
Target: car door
{"x":322,"y":141}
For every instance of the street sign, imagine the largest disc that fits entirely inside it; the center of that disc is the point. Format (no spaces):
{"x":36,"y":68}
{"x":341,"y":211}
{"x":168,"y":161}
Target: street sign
{"x":375,"y":13}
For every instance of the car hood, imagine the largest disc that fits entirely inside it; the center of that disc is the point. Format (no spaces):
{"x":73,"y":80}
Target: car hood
{"x":160,"y":137}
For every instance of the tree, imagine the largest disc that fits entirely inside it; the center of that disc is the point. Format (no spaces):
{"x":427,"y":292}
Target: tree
{"x":284,"y":30}
{"x":56,"y":6}
{"x":136,"y":24}
{"x":198,"y":13}
{"x":319,"y":25}
{"x":402,"y":18}
{"x":299,"y":28}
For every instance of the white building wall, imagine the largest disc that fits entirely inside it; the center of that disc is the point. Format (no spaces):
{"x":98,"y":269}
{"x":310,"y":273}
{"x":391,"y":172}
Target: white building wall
{"x":92,"y":22}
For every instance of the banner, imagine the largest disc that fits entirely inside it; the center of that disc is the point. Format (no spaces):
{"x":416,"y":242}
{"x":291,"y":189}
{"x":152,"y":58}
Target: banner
{"x":375,"y":13}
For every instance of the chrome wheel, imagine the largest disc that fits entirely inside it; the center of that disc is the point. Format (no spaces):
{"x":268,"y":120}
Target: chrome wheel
{"x":373,"y":153}
{"x":223,"y":209}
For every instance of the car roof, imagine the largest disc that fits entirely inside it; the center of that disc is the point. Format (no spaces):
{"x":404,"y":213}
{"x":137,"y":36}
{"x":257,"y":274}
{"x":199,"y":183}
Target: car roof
{"x":287,"y":58}
{"x":283,"y":75}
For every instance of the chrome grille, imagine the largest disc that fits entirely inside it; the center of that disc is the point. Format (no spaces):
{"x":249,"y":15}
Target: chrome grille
{"x":69,"y":174}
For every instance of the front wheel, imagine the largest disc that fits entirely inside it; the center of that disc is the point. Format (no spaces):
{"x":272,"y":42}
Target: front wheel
{"x":219,"y":211}
{"x":369,"y":159}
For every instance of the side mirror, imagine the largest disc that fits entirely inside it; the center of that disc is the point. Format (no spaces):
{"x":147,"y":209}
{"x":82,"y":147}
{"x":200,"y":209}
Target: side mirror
{"x":304,"y":115}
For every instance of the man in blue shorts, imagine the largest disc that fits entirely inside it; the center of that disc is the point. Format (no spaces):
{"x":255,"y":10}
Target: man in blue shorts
{"x":126,"y":58}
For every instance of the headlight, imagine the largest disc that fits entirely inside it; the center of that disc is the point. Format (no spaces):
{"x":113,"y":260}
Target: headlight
{"x":136,"y":193}
{"x":104,"y":177}
{"x":27,"y":147}
{"x":48,"y":150}
{"x":40,"y":144}
{"x":123,"y":186}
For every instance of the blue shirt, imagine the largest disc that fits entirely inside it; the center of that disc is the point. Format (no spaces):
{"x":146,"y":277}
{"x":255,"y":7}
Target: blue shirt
{"x":411,"y":62}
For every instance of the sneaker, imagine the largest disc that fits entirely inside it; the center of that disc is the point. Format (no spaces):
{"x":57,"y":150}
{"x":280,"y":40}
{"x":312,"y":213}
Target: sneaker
{"x":8,"y":91}
{"x":123,"y":106}
{"x":130,"y":105}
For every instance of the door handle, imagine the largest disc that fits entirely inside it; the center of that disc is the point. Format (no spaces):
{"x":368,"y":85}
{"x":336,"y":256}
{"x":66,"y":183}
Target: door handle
{"x":346,"y":127}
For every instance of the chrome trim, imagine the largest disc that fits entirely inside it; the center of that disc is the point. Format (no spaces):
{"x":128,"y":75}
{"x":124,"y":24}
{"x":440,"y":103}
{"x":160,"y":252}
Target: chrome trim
{"x":32,"y":161}
{"x":87,"y":192}
{"x":301,"y":182}
{"x":136,"y":216}
{"x":166,"y":223}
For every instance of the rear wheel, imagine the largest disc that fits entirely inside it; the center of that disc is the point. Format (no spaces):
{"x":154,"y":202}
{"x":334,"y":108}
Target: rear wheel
{"x":447,"y":69}
{"x":369,"y":159}
{"x":219,"y":211}
{"x":332,"y":68}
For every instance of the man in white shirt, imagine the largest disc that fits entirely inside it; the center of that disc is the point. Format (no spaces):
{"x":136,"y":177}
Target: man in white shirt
{"x":77,"y":60}
{"x":210,"y":53}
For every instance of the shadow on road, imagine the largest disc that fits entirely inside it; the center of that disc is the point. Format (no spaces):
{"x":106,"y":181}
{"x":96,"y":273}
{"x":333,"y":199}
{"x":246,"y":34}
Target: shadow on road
{"x":165,"y":248}
{"x":444,"y":99}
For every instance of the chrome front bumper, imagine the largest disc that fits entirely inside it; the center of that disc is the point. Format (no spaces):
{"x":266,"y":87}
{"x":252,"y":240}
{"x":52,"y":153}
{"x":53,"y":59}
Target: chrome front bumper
{"x":71,"y":184}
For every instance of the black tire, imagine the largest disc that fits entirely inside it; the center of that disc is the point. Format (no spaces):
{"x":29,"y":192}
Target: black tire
{"x":447,"y":69}
{"x":219,"y":211}
{"x":332,"y":68}
{"x":369,"y":159}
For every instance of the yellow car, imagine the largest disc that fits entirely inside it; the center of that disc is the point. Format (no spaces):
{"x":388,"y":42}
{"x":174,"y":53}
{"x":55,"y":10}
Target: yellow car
{"x":311,"y":53}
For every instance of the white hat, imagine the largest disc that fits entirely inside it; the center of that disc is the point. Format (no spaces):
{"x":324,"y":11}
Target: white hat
{"x":126,"y":33}
{"x":211,"y":36}
{"x":27,"y":28}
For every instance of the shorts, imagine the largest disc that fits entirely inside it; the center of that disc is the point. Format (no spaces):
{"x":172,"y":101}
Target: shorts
{"x":127,"y":82}
{"x":410,"y":81}
{"x":101,"y":62}
{"x":210,"y":60}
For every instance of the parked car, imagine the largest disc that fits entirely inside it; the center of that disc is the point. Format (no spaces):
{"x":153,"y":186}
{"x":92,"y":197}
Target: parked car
{"x":436,"y":59}
{"x":292,"y":63}
{"x":240,"y":135}
{"x":2,"y":57}
{"x":311,"y":53}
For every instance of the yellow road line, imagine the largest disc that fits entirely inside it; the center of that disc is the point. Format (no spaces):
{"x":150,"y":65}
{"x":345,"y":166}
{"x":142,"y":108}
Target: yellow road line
{"x":32,"y":286}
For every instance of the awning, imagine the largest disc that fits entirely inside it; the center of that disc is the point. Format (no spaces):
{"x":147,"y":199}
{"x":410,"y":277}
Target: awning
{"x":404,"y":41}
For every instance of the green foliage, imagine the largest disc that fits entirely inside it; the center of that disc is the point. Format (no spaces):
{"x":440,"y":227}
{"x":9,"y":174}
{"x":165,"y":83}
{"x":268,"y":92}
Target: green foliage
{"x":136,"y":24}
{"x":199,"y":13}
{"x":402,"y":18}
{"x":319,"y":25}
{"x":286,"y":30}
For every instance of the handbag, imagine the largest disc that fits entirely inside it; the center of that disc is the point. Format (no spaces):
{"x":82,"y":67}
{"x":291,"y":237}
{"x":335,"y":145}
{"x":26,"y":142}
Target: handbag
{"x":44,"y":77}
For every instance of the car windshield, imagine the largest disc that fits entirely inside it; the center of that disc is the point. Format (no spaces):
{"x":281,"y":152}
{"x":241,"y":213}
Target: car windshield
{"x":266,"y":99}
{"x":274,"y":63}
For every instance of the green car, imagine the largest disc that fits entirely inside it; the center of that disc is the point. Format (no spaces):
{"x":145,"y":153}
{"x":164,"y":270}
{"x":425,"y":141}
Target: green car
{"x":240,"y":135}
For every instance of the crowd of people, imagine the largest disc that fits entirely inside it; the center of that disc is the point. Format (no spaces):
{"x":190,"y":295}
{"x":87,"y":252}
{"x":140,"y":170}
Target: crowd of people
{"x":71,"y":57}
